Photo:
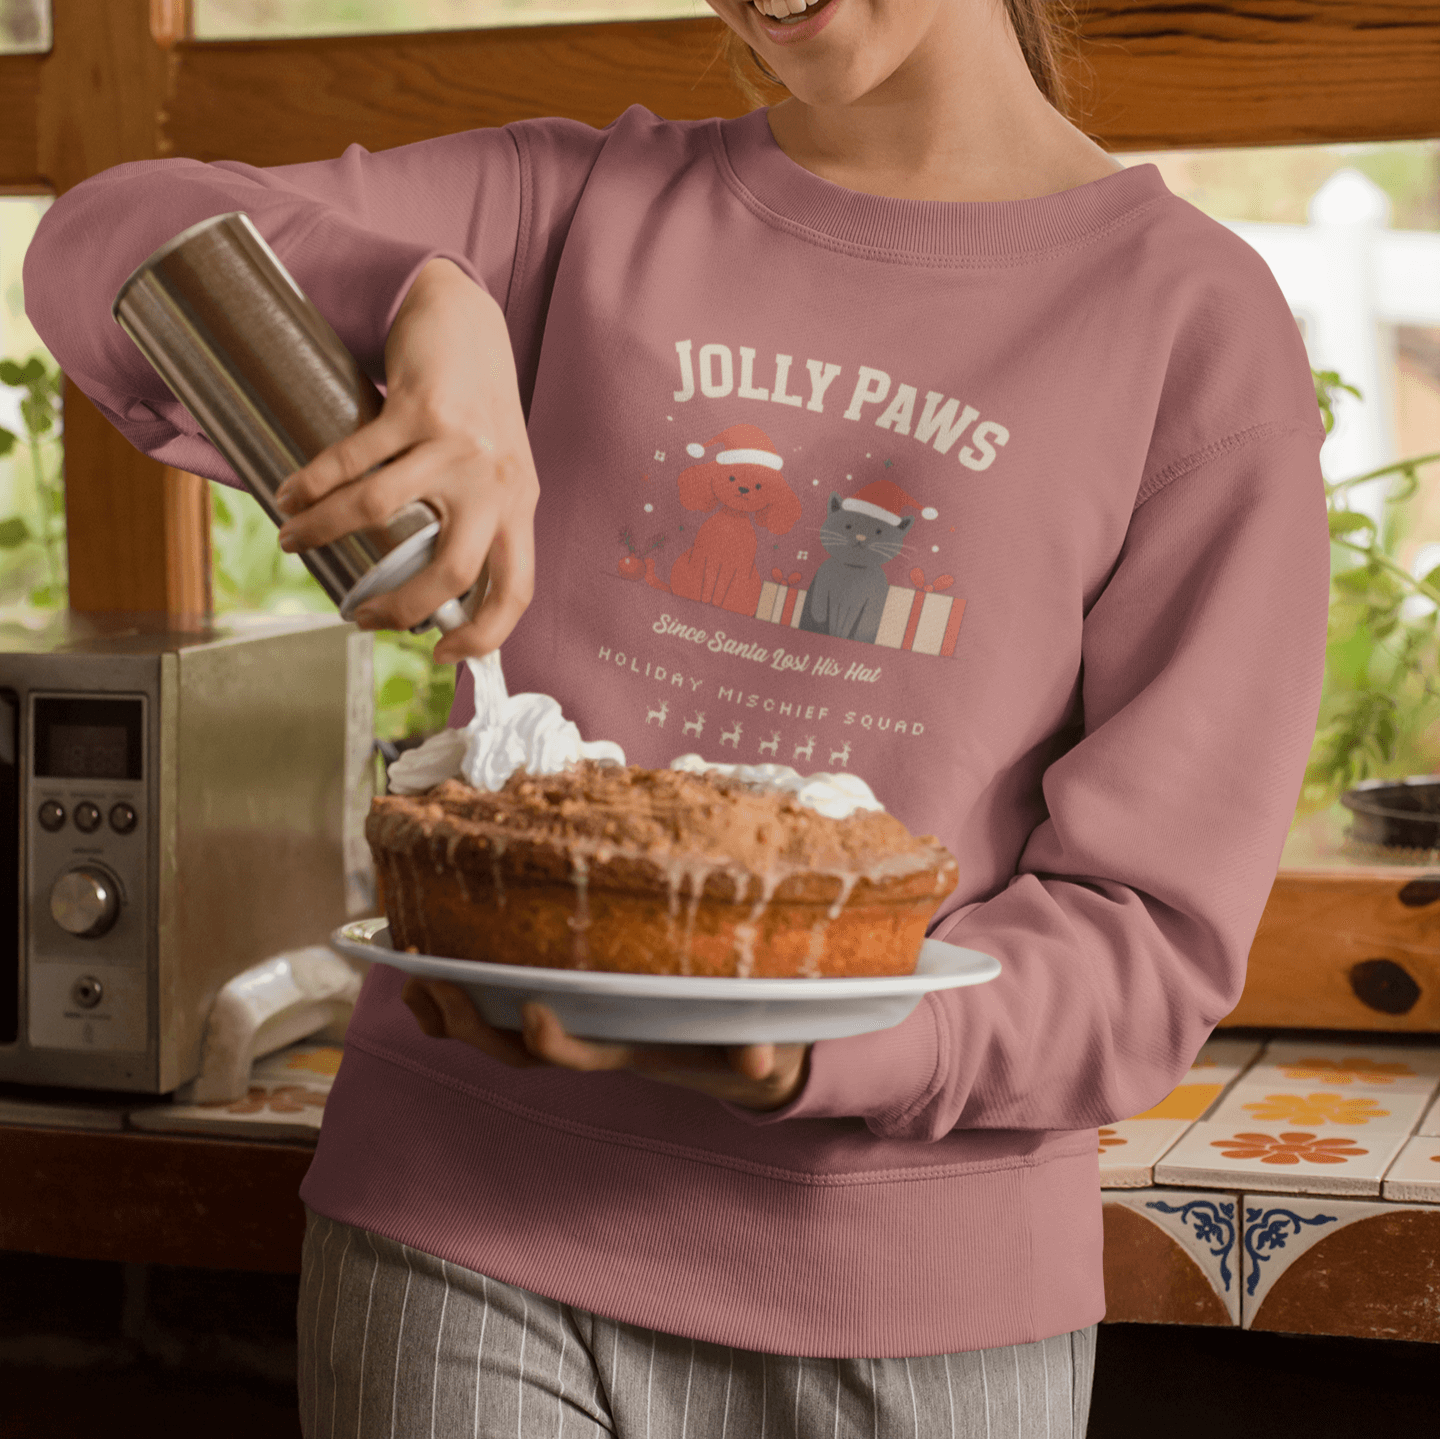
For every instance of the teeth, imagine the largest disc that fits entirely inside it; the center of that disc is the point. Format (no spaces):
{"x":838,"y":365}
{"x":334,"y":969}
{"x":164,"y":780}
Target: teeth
{"x":781,"y":9}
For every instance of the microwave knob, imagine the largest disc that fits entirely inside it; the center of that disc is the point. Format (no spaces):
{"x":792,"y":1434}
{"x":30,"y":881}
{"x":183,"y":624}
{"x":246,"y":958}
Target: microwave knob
{"x":85,"y":902}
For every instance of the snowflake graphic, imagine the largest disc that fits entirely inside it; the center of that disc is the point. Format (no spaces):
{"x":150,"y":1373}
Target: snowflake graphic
{"x":1316,"y":1109}
{"x":802,"y":554}
{"x":1288,"y":1148}
{"x":659,"y":454}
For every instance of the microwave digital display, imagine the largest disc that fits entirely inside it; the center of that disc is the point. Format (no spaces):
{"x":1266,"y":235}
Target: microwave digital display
{"x":88,"y":738}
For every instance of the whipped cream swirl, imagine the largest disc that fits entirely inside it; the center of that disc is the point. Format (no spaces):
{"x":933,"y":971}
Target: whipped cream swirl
{"x":508,"y":732}
{"x":834,"y":795}
{"x":530,"y":732}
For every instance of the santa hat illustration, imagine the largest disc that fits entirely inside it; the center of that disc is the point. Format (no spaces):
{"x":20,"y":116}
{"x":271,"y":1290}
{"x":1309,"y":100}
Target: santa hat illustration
{"x":883,"y":500}
{"x":739,"y":445}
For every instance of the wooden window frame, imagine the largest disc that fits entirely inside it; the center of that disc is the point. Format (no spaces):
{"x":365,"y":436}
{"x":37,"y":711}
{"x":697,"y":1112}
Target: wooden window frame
{"x":123,"y":82}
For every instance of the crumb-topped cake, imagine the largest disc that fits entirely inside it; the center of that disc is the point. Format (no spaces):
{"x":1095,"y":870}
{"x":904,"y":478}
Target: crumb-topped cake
{"x":678,"y":871}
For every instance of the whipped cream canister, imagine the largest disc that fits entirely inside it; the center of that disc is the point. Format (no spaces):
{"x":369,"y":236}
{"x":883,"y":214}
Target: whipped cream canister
{"x":271,"y":384}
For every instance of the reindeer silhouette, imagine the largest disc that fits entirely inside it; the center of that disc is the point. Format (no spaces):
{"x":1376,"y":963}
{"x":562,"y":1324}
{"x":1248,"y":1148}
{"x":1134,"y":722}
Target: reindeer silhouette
{"x":731,"y":736}
{"x":659,"y":715}
{"x":772,"y":744}
{"x":841,"y":756}
{"x":806,"y":750}
{"x":696,"y":726}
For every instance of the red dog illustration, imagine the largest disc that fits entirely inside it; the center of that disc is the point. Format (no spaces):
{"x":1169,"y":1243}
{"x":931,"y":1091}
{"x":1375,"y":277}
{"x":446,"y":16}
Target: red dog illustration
{"x":742,"y":480}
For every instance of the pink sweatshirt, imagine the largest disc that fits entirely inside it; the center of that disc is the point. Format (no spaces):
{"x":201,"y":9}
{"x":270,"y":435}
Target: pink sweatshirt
{"x":1083,"y":648}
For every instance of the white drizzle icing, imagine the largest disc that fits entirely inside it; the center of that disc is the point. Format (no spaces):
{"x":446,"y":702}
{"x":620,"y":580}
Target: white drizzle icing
{"x":848,"y":880}
{"x":497,"y":879}
{"x":811,"y":968}
{"x":580,"y":921}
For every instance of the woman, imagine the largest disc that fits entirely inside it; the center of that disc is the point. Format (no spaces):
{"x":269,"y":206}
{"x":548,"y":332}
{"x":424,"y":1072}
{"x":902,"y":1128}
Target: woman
{"x":1080,"y":415}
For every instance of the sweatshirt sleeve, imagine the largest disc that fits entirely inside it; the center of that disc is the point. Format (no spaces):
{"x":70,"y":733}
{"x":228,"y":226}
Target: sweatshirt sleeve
{"x":1124,"y":933}
{"x":354,"y":232}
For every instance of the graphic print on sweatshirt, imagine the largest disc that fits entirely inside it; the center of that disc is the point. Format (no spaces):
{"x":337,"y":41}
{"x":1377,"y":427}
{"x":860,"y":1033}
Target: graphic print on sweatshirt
{"x":859,"y":571}
{"x":797,"y":547}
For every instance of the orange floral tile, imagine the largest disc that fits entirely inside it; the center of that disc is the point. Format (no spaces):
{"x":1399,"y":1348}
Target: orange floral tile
{"x":1294,"y":1147}
{"x":1318,"y":1108}
{"x":1373,"y":1068}
{"x":1415,"y":1174}
{"x":1185,"y":1101}
{"x":1253,"y":1104}
{"x":308,"y":1063}
{"x":1220,"y":1155}
{"x":1431,"y":1123}
{"x":1129,"y":1149}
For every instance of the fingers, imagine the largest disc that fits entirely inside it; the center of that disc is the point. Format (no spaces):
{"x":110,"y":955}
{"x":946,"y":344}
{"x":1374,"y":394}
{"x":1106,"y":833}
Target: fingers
{"x":546,"y":1039}
{"x":346,"y":460}
{"x":511,"y":560}
{"x":426,"y":1011}
{"x":752,"y":1061}
{"x":444,"y":1011}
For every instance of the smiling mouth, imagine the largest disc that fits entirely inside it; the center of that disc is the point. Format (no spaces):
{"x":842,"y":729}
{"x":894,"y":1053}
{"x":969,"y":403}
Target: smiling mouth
{"x":788,"y":12}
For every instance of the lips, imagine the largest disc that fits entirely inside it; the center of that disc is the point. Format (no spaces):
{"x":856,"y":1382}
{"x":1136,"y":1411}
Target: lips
{"x":789,"y":20}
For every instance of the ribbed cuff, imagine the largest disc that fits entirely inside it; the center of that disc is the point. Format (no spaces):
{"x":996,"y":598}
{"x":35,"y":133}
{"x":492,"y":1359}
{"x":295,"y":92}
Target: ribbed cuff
{"x":879,"y":1077}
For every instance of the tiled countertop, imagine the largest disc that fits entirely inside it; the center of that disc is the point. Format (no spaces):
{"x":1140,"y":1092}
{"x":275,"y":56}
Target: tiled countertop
{"x":1290,"y":1184}
{"x":1286,"y":1183}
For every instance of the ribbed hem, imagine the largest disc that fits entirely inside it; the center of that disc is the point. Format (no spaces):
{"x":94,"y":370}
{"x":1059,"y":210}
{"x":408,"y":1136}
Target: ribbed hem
{"x":846,"y":1075}
{"x":889,"y":1264}
{"x":935,"y":232}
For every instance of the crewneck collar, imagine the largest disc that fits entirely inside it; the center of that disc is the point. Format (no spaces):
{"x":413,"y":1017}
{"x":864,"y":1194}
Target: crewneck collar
{"x":935,"y":231}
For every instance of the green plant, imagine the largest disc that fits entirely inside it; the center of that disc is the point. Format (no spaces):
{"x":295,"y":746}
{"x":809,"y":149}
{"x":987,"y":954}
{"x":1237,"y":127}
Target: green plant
{"x":252,"y":572}
{"x":32,"y":536}
{"x":1380,"y":701}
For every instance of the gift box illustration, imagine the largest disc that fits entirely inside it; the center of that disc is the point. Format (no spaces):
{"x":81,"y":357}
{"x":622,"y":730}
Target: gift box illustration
{"x":919,"y":617}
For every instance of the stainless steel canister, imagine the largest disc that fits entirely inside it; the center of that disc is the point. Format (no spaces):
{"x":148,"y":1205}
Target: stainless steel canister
{"x":271,"y":384}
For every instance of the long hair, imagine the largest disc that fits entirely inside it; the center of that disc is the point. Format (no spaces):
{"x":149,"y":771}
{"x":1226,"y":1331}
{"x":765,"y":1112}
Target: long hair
{"x":1044,"y":28}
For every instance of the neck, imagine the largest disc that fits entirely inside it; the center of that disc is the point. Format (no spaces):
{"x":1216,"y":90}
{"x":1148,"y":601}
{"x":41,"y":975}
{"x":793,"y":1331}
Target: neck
{"x":961,"y":118}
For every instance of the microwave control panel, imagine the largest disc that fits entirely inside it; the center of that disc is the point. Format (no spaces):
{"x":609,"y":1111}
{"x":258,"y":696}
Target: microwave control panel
{"x":88,"y":836}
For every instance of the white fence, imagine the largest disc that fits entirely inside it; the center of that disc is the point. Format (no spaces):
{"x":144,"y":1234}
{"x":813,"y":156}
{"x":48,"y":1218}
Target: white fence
{"x":1351,"y":279}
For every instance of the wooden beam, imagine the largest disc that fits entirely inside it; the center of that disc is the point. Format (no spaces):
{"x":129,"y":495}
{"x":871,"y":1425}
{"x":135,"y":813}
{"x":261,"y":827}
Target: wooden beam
{"x":1177,"y":75}
{"x":138,"y":536}
{"x":1147,"y":76}
{"x":277,"y":102}
{"x":19,"y":107}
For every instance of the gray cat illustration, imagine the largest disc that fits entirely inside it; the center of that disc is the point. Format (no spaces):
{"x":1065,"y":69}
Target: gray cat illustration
{"x":847,"y":596}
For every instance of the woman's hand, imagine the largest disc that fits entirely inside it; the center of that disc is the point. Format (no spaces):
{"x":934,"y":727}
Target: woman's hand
{"x":755,"y":1076}
{"x":451,"y":433}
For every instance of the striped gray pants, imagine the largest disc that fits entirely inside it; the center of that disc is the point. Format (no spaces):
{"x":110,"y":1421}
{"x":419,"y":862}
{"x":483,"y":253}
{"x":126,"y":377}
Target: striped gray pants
{"x":396,"y":1343}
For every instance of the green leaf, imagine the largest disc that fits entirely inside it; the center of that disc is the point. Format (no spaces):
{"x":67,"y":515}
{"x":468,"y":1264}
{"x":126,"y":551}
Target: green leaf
{"x":222,"y":510}
{"x":10,"y":373}
{"x":38,"y":416}
{"x":33,"y":369}
{"x":397,"y":690}
{"x":13,"y":533}
{"x":1344,"y":522}
{"x":55,"y":499}
{"x":45,"y":597}
{"x":7,"y":440}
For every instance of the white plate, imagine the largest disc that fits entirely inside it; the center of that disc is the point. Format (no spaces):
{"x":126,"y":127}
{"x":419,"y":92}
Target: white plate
{"x":685,"y":1009}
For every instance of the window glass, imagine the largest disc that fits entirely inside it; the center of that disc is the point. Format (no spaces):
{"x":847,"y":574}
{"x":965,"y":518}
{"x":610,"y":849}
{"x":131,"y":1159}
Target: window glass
{"x":248,"y":19}
{"x":24,"y":27}
{"x":1352,"y":235}
{"x":32,"y":509}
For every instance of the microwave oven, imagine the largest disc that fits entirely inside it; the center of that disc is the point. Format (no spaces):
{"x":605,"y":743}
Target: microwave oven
{"x":176,"y":804}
